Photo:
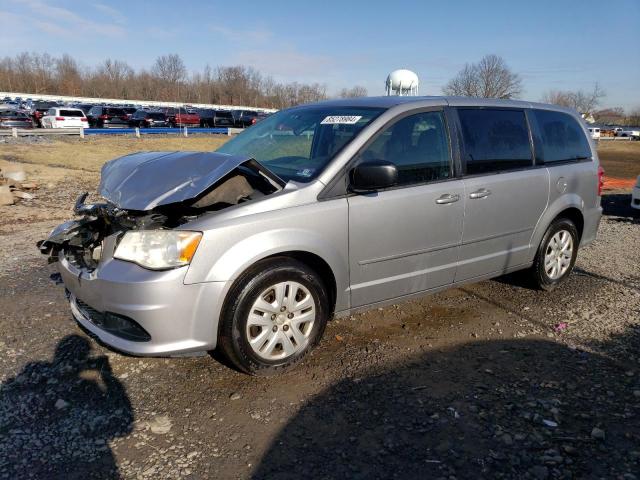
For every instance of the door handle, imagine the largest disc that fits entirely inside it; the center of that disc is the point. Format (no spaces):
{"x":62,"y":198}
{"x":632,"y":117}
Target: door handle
{"x":482,"y":193}
{"x":447,"y":198}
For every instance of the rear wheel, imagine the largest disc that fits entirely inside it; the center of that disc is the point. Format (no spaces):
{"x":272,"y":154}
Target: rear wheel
{"x":277,"y":313}
{"x":556,"y":254}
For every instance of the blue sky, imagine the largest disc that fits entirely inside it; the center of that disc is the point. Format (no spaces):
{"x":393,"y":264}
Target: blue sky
{"x":560,"y":44}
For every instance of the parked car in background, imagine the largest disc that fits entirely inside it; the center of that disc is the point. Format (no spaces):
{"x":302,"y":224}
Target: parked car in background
{"x":85,"y":107}
{"x":362,"y":203}
{"x":215,"y":118}
{"x":105,"y":117}
{"x":181,"y":117}
{"x":634,"y":133}
{"x":64,"y":118}
{"x":246,"y":118}
{"x":635,"y":195}
{"x":12,"y":118}
{"x":595,"y":133}
{"x":145,"y":119}
{"x":129,"y":111}
{"x":38,"y":109}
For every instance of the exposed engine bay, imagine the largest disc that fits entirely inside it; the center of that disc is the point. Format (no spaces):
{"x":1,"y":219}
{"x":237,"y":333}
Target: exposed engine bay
{"x":156,"y":190}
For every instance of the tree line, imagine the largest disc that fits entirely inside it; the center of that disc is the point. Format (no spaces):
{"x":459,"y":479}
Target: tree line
{"x":167,"y":80}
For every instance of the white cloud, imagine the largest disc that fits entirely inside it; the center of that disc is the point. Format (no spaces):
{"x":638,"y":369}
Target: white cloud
{"x":287,"y":63}
{"x":245,"y":35}
{"x":47,"y":18}
{"x":111,"y":12}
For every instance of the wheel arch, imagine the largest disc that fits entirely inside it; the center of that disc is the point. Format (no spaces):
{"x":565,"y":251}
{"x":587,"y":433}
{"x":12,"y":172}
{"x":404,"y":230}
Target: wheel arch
{"x":568,"y":206}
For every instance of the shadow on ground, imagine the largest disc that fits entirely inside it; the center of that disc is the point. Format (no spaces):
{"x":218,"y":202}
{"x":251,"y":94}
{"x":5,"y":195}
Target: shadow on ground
{"x":498,"y":409}
{"x":57,"y":418}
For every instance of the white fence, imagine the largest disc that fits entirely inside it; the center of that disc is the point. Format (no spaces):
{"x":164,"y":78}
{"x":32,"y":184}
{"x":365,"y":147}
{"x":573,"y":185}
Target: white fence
{"x":137,"y":132}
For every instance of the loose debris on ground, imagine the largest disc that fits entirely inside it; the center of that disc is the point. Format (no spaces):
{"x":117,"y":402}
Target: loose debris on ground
{"x":492,"y":380}
{"x":14,"y":186}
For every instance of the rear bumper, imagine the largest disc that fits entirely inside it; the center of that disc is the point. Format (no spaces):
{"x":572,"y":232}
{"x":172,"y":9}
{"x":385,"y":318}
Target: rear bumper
{"x":591,"y":223}
{"x":179,"y":318}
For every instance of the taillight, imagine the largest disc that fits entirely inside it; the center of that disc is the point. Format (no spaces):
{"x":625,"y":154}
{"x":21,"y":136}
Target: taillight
{"x":104,"y":117}
{"x":83,"y":119}
{"x":59,"y":119}
{"x":253,"y":121}
{"x":600,"y":180}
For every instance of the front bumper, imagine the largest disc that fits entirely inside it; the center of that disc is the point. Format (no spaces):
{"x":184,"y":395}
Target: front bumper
{"x":179,"y":318}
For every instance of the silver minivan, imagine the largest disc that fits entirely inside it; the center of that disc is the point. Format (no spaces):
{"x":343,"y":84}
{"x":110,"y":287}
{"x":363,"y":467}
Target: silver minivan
{"x":323,"y":210}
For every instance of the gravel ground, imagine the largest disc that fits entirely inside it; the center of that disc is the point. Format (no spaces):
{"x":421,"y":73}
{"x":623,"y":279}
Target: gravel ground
{"x":492,"y":380}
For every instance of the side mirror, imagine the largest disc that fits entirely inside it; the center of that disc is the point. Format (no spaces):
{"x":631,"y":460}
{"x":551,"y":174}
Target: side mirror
{"x":373,"y":175}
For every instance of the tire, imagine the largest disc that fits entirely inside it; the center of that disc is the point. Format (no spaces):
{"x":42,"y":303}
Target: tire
{"x":550,"y":267}
{"x":269,"y":355}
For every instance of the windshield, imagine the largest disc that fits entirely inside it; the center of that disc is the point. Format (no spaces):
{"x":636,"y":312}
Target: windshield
{"x":297,"y":144}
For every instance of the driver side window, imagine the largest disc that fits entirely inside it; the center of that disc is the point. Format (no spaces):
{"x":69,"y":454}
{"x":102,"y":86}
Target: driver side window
{"x":417,"y":145}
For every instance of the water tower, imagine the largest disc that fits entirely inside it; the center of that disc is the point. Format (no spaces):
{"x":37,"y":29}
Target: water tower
{"x":402,"y":82}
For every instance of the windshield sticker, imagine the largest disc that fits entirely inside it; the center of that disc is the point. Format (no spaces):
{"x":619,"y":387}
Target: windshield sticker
{"x":341,"y":120}
{"x":307,"y":172}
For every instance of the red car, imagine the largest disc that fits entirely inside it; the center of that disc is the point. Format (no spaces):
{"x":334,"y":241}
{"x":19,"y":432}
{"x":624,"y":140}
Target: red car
{"x":181,"y":117}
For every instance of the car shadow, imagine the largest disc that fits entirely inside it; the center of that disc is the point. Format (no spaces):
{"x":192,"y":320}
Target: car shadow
{"x":57,"y":418}
{"x":496,"y":409}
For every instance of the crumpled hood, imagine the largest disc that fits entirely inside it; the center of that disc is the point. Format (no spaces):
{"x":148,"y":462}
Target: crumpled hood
{"x":146,"y":180}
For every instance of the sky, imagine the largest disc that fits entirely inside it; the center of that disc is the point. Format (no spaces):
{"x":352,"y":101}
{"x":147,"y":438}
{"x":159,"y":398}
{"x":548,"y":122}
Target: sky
{"x":552,"y":44}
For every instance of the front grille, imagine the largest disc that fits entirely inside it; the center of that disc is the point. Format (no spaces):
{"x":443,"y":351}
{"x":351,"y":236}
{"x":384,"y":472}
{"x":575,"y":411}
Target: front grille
{"x":118,"y":325}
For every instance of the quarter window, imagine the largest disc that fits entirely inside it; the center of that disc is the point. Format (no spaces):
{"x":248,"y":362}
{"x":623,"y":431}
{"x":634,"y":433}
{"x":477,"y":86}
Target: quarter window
{"x":561,"y":137}
{"x":494,"y":140}
{"x":417,"y":145}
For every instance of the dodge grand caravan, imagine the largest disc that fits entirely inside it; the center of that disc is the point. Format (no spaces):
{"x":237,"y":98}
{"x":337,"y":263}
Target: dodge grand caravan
{"x":324,"y":210}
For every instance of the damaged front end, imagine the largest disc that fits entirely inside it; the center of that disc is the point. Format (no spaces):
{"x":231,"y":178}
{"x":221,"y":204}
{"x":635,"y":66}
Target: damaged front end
{"x":156,"y":190}
{"x":120,"y":259}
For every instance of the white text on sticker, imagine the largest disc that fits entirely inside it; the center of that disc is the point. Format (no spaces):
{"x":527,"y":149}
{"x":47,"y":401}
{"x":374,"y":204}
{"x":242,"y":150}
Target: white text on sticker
{"x":341,"y":119}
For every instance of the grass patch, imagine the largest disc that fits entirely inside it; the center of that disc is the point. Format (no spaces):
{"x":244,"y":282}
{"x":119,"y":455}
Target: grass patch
{"x":620,"y":159}
{"x":90,"y":153}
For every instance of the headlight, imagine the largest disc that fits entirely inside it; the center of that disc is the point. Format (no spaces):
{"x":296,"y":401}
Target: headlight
{"x":158,"y":249}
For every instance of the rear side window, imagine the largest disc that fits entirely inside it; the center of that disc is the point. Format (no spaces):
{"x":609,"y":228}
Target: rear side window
{"x":562,"y":137}
{"x":417,"y":145}
{"x":71,"y":113}
{"x":495,"y":140}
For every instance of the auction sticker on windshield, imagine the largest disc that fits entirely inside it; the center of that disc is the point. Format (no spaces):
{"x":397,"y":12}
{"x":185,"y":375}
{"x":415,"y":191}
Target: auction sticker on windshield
{"x":341,"y":119}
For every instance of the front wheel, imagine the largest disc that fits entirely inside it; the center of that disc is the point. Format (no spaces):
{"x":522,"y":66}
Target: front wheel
{"x":277,"y":312}
{"x":556,"y":254}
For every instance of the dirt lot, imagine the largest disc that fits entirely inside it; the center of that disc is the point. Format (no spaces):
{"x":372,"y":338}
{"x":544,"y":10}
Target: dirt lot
{"x":620,"y":159}
{"x":493,"y":380}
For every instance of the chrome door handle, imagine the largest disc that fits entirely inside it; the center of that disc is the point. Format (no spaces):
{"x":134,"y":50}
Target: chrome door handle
{"x":447,"y":198}
{"x":482,"y":193}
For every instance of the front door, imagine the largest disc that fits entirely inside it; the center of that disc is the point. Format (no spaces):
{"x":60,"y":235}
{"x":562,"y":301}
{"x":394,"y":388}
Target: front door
{"x":405,"y":239}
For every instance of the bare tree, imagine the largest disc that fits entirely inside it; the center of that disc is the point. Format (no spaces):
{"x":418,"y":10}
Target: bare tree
{"x":356,"y":91}
{"x":583,"y":102}
{"x":489,"y":78}
{"x":170,"y":68}
{"x":634,"y":117}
